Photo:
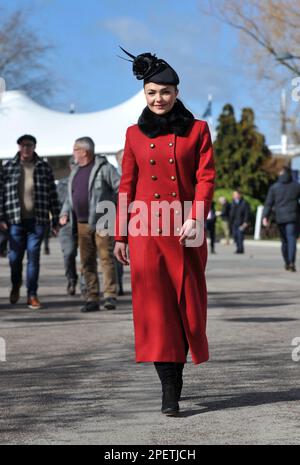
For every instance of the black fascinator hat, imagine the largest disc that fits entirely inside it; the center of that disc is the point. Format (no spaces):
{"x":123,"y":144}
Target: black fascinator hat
{"x":152,"y":69}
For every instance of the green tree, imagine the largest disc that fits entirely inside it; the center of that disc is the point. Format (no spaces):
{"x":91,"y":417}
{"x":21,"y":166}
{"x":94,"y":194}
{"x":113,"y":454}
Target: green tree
{"x":252,"y":156}
{"x":225,"y":146}
{"x":241,"y":154}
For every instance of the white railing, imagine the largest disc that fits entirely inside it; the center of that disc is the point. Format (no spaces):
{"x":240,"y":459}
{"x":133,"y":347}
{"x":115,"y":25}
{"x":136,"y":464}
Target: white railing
{"x":291,"y":151}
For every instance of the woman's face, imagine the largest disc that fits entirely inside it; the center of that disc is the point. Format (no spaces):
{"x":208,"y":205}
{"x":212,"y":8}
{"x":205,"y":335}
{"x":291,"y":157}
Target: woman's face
{"x":160,"y":97}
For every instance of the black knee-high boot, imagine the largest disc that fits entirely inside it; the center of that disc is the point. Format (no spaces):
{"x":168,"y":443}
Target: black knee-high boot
{"x":179,"y":379}
{"x":179,"y":371}
{"x":167,"y":373}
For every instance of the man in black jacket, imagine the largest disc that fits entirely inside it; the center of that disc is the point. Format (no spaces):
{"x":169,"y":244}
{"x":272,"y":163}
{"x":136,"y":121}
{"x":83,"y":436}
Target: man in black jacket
{"x":239,"y":220}
{"x":284,"y":196}
{"x":3,"y":235}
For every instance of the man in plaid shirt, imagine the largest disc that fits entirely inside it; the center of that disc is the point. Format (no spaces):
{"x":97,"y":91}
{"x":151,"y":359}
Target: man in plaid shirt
{"x":27,"y":197}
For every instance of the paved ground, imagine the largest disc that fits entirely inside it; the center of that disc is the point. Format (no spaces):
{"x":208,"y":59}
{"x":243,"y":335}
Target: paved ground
{"x":70,"y":378}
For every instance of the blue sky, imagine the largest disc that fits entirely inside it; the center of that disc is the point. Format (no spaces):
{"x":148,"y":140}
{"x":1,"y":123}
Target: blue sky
{"x":205,"y":53}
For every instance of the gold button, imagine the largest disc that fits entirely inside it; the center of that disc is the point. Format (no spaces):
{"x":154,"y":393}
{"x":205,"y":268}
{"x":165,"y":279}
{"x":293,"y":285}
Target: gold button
{"x":173,"y":178}
{"x":174,"y":194}
{"x":171,"y":160}
{"x":177,"y":229}
{"x":152,"y":146}
{"x":154,"y":178}
{"x":171,"y":144}
{"x":157,"y":196}
{"x":177,"y":212}
{"x":157,"y":214}
{"x":159,"y":230}
{"x":152,"y":162}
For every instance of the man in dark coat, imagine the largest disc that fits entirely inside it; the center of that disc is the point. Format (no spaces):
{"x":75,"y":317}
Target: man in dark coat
{"x":284,"y":197}
{"x":211,"y":227}
{"x":239,"y":220}
{"x":3,"y":235}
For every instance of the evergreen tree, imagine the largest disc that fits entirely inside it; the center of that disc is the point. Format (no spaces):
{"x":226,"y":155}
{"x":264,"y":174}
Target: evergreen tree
{"x":225,"y":146}
{"x":241,"y":154}
{"x":251,"y":157}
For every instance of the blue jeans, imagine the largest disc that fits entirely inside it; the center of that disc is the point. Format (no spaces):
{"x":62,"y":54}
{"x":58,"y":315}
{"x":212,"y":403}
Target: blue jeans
{"x":238,"y":236}
{"x":289,"y":234}
{"x":27,"y":236}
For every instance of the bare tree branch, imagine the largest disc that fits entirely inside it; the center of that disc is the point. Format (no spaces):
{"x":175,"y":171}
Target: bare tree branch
{"x":270,"y":39}
{"x":22,"y":56}
{"x":264,"y":22}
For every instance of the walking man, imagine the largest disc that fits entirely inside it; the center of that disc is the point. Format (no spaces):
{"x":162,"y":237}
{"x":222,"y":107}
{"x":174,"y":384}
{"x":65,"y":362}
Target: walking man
{"x":239,"y":219}
{"x":68,"y":238}
{"x":28,"y":197}
{"x":211,"y":227}
{"x":225,"y":218}
{"x":3,"y":235}
{"x":92,"y":180}
{"x":284,"y":197}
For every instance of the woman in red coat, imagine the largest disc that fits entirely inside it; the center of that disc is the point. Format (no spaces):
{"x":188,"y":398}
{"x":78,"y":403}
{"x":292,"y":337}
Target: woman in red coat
{"x":167,"y":178}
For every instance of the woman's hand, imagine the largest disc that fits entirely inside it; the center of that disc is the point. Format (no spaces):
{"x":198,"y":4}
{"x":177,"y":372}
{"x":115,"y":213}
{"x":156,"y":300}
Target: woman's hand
{"x":120,"y":252}
{"x":188,"y":231}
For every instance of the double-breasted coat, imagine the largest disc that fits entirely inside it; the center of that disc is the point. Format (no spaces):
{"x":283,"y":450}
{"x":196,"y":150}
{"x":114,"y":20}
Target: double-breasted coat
{"x":168,"y":280}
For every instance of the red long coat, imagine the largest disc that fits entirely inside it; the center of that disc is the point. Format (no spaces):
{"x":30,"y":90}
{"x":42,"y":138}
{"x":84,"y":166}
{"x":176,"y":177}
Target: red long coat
{"x":168,"y":280}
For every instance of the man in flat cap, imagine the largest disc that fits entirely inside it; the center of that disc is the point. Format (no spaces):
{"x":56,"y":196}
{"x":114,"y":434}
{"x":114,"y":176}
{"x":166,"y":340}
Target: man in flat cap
{"x":28,"y":197}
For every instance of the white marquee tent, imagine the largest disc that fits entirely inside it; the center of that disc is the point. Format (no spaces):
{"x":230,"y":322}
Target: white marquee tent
{"x":56,"y":131}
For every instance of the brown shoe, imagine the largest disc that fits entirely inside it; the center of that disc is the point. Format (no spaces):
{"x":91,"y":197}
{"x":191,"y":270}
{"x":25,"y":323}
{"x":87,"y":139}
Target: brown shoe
{"x":15,"y":294}
{"x":33,"y":303}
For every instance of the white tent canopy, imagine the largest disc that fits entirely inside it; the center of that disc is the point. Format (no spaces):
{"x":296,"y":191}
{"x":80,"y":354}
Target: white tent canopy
{"x":56,"y":131}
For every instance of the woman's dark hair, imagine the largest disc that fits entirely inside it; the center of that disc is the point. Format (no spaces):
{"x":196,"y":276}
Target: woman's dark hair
{"x":171,"y":85}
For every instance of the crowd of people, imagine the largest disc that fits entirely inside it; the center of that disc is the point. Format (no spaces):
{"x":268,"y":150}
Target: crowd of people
{"x":283,"y":201}
{"x":235,"y":219}
{"x":30,"y":201}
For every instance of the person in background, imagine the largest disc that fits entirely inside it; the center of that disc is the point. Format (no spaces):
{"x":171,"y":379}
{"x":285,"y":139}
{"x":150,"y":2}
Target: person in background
{"x":46,"y":240}
{"x":225,"y":218}
{"x":92,"y":180}
{"x":29,"y":197}
{"x":119,"y":265}
{"x":3,"y":244}
{"x":68,"y":237}
{"x":239,"y":220}
{"x":211,"y":227}
{"x":284,"y":197}
{"x":3,"y":235}
{"x":119,"y":158}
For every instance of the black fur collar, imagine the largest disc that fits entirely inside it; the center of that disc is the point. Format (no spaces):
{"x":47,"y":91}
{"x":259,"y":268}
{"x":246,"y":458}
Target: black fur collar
{"x":177,"y":121}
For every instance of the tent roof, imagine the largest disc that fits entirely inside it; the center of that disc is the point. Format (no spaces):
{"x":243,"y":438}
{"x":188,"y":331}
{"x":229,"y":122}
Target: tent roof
{"x":56,"y":131}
